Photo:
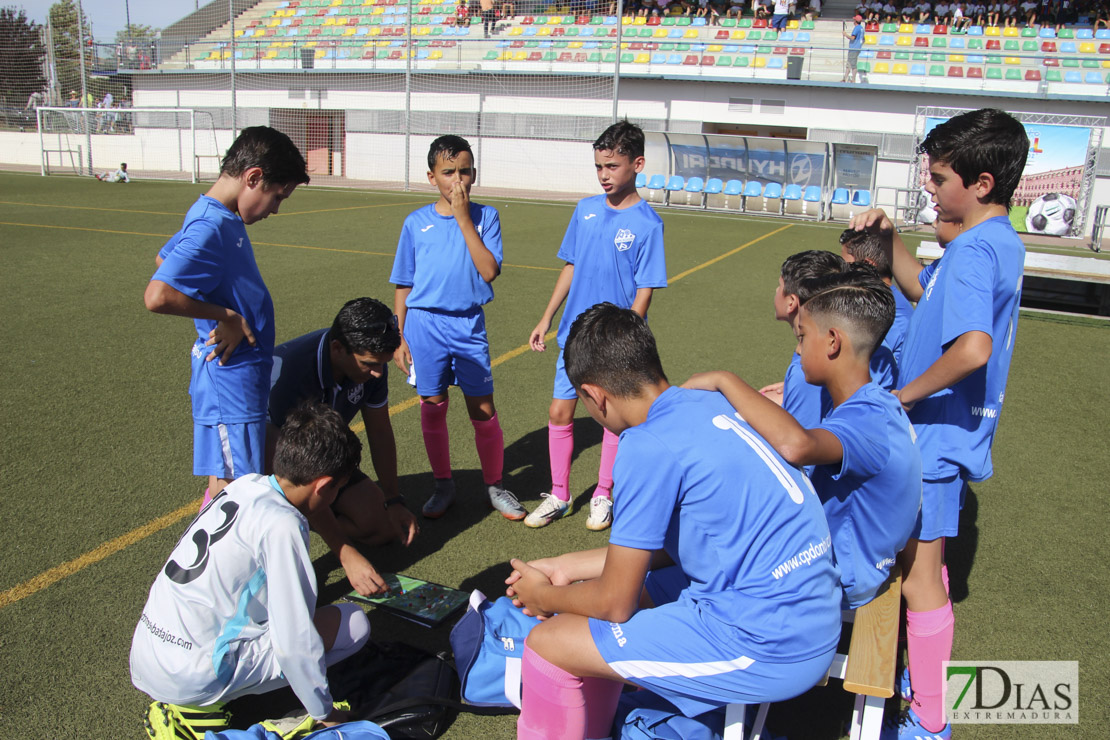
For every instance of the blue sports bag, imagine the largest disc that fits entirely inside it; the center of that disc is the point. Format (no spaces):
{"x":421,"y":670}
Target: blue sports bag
{"x":488,"y":643}
{"x":346,"y":731}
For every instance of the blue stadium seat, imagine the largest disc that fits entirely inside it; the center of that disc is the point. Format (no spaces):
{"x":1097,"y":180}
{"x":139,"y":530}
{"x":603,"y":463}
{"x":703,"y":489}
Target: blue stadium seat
{"x":674,"y":59}
{"x":812,"y":194}
{"x":792,"y":192}
{"x":693,"y":189}
{"x":773,"y":190}
{"x":728,"y":196}
{"x":775,"y":63}
{"x":1072,"y":75}
{"x":641,"y":180}
{"x":803,"y":37}
{"x":753,"y":189}
{"x":786,"y":36}
{"x":861,"y":198}
{"x":714,"y":186}
{"x":1084,"y":34}
{"x":1047,"y":32}
{"x":840,"y":197}
{"x":655,"y":190}
{"x":734,"y":187}
{"x":659,"y":57}
{"x":675,"y":182}
{"x":792,"y":200}
{"x":1102,"y":33}
{"x":1093,"y":78}
{"x":917,"y":70}
{"x":975,"y":31}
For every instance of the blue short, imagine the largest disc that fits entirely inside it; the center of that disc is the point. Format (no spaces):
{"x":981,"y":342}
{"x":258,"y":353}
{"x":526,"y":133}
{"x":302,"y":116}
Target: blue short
{"x":941,"y":502}
{"x":229,"y":450}
{"x":449,"y":349}
{"x":563,"y":388}
{"x":695,"y":661}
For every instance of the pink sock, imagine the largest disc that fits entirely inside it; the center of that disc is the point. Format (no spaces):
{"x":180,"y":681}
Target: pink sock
{"x":605,"y":470}
{"x":602,"y":696}
{"x":433,"y":423}
{"x":553,"y":704}
{"x":207,"y":499}
{"x":560,"y":450}
{"x":490,"y":441}
{"x":929,"y":639}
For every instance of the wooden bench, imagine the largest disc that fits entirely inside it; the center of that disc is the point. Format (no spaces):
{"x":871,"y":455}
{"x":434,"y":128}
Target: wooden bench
{"x":867,"y":669}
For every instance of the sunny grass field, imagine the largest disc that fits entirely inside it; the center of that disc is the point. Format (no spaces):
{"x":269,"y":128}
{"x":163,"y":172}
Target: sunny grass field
{"x":97,"y":446}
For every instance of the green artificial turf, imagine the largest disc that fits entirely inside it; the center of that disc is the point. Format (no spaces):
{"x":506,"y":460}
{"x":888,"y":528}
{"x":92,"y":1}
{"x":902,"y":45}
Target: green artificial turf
{"x":97,"y":437}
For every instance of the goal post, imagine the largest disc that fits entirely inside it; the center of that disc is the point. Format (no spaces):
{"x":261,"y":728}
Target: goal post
{"x":156,"y":143}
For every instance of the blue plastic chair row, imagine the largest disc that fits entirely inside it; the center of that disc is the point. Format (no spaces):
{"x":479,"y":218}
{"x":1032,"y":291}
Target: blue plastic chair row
{"x":858,"y":199}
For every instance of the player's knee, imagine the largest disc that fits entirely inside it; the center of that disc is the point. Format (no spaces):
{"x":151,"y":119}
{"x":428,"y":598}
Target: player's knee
{"x":561,"y":412}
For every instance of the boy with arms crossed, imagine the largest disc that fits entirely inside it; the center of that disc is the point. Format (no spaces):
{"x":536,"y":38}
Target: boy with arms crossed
{"x":955,"y":362}
{"x":233,"y":611}
{"x":749,"y":612}
{"x":206,"y":272}
{"x":867,"y":470}
{"x":345,"y":367}
{"x":613,"y":249}
{"x":448,"y":255}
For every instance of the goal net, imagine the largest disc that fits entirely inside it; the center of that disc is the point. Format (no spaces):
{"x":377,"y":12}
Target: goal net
{"x":156,"y":143}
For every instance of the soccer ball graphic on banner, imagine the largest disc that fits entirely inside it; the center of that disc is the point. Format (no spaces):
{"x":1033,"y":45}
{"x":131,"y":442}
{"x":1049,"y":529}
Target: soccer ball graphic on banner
{"x":1052,"y":214}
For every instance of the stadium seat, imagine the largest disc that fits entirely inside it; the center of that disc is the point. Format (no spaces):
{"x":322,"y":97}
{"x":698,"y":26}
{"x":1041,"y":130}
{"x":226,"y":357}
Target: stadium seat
{"x":675,"y":184}
{"x":694,"y":191}
{"x":713,"y":186}
{"x":655,"y":192}
{"x":772,"y":198}
{"x":753,"y":196}
{"x":792,"y":200}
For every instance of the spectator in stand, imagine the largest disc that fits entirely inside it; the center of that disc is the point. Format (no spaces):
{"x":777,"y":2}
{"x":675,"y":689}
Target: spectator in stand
{"x":489,"y":17}
{"x":1102,"y":16}
{"x":73,"y":102}
{"x":814,"y":10}
{"x":717,"y":8}
{"x":855,"y":44}
{"x":735,"y":9}
{"x":782,"y":10}
{"x":508,"y":11}
{"x":703,"y":10}
{"x":890,"y":13}
{"x":994,"y":13}
{"x":941,"y":12}
{"x":924,"y":11}
{"x":1029,"y":11}
{"x":462,"y":14}
{"x":34,"y":100}
{"x":1066,"y":13}
{"x":874,"y":11}
{"x":1010,"y":13}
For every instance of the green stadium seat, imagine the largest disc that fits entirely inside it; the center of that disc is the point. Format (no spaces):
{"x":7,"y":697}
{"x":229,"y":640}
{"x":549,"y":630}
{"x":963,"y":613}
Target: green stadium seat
{"x":724,"y":61}
{"x":1011,"y":45}
{"x":1091,"y":64}
{"x":741,"y":62}
{"x":1029,"y":46}
{"x":809,"y":25}
{"x":1029,"y":32}
{"x":1069,"y":62}
{"x":995,"y":59}
{"x":1054,"y":75}
{"x":902,"y":56}
{"x":549,"y":56}
{"x":974,"y":44}
{"x":1066,"y":33}
{"x":1013,"y":74}
{"x":920,"y":56}
{"x":939,"y":42}
{"x":610,"y":57}
{"x":863,"y":67}
{"x":594,"y":57}
{"x":937,"y":57}
{"x":936,"y":70}
{"x":744,"y":23}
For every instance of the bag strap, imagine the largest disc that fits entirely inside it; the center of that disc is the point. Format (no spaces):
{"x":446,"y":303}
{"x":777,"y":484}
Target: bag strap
{"x":439,"y":701}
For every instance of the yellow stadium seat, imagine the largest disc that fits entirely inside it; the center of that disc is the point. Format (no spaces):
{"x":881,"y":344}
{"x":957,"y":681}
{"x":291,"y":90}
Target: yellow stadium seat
{"x":516,"y":30}
{"x":642,"y":58}
{"x":737,"y":34}
{"x":640,"y":21}
{"x":992,"y":31}
{"x":545,"y":31}
{"x":882,"y":68}
{"x":904,"y":41}
{"x":375,"y":30}
{"x":1087,"y":47}
{"x":1012,"y":60}
{"x":626,"y":20}
{"x":905,"y":28}
{"x":901,"y":69}
{"x":870,"y":40}
{"x":436,"y":54}
{"x":689,"y":33}
{"x":715,"y":48}
{"x":351,"y":30}
{"x":793,"y":25}
{"x":759,"y":62}
{"x":575,"y":45}
{"x":1011,"y":32}
{"x":659,"y":33}
{"x":520,"y":56}
{"x":957,"y":58}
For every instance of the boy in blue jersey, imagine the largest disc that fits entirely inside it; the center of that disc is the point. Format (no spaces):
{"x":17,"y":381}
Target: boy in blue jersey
{"x":233,"y":611}
{"x":207,"y":272}
{"x":954,"y":366}
{"x":867,"y":471}
{"x":345,"y":367}
{"x":863,"y":246}
{"x":448,"y":256}
{"x":742,"y":607}
{"x":613,"y":249}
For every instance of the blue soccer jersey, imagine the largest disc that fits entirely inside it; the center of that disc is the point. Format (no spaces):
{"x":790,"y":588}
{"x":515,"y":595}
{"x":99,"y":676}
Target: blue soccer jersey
{"x":872,"y":497}
{"x":745,"y":527}
{"x":896,"y":336}
{"x":614,"y":253}
{"x":974,"y":286}
{"x":432,"y":259}
{"x":211,"y":260}
{"x":807,"y":403}
{"x":302,"y":371}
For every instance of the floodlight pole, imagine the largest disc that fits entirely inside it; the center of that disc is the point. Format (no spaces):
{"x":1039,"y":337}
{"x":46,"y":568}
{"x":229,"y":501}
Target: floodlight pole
{"x":617,"y":67}
{"x":234,"y":110}
{"x":84,"y":89}
{"x":127,"y":10}
{"x":408,"y":91}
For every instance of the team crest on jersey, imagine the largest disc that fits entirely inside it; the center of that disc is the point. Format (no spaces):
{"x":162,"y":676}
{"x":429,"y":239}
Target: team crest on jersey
{"x":623,"y":240}
{"x":354,"y":395}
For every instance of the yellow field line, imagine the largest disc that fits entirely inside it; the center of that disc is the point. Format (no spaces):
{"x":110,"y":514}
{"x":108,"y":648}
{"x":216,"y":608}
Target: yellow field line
{"x":83,"y":228}
{"x":71,"y":567}
{"x":57,"y":573}
{"x":90,"y":208}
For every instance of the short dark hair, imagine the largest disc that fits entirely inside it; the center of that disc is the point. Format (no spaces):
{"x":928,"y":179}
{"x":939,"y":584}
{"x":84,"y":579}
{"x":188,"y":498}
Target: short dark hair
{"x":867,"y":246}
{"x":449,"y":146}
{"x":855,"y":300}
{"x":613,"y":348}
{"x":803,"y":266}
{"x":366,"y":325}
{"x":623,"y":137}
{"x":315,"y":442}
{"x":270,"y":150}
{"x":984,"y":140}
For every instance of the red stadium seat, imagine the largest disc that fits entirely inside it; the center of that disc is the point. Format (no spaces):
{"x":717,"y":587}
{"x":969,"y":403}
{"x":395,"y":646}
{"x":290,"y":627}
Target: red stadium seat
{"x":1033,"y":75}
{"x":722,"y":35}
{"x":798,"y":51}
{"x":921,"y":41}
{"x":975,"y":73}
{"x":759,"y":23}
{"x":690,"y":60}
{"x":994,"y":45}
{"x":1052,"y":62}
{"x":566,"y":56}
{"x":708,"y":61}
{"x":651,"y":46}
{"x":955,"y":71}
{"x":582,"y":20}
{"x":1049,"y":47}
{"x":560,"y":31}
{"x":535,"y":56}
{"x":883,"y":55}
{"x":871,"y":28}
{"x":527,"y":20}
{"x":940,"y":30}
{"x":636,"y":46}
{"x":780,"y":50}
{"x":580,"y":56}
{"x":654,"y":20}
{"x":395,"y":54}
{"x":517,"y":43}
{"x":1104,"y":48}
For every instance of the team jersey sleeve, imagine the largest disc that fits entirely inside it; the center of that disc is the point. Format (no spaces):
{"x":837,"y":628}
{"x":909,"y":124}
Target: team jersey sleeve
{"x":404,"y":262}
{"x":926,"y":273}
{"x":647,"y":484}
{"x":861,"y":429}
{"x":651,"y":262}
{"x":377,"y":391}
{"x":884,"y":368}
{"x":193,"y":266}
{"x":284,"y":391}
{"x":570,"y":239}
{"x":969,"y":294}
{"x":491,"y":233}
{"x":169,"y":246}
{"x":298,"y":648}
